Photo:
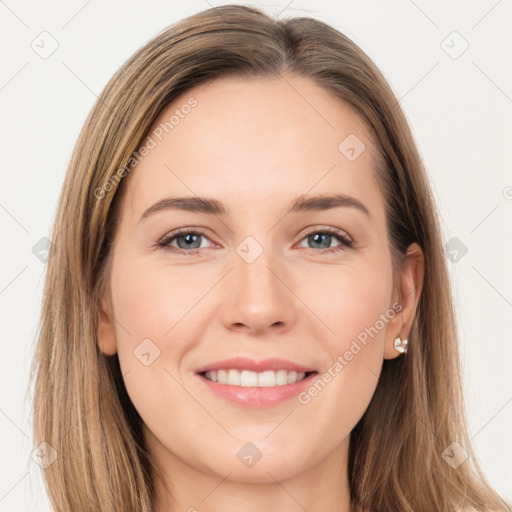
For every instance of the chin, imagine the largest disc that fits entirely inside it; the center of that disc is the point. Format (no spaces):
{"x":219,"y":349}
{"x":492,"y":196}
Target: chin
{"x":261,"y":462}
{"x":264,"y":472}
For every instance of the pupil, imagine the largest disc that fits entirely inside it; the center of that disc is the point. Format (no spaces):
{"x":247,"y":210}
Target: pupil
{"x":189,"y":238}
{"x":317,"y":236}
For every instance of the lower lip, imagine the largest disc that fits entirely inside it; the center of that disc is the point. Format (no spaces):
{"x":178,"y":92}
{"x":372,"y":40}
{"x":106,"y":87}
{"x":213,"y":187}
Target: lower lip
{"x":255,"y":396}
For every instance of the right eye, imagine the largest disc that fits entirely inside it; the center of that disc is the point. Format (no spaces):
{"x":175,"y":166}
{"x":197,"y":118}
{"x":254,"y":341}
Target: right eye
{"x":188,"y":241}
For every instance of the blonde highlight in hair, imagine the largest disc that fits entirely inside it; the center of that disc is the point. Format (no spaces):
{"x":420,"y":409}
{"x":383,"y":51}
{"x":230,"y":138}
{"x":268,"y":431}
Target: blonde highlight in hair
{"x":81,"y":407}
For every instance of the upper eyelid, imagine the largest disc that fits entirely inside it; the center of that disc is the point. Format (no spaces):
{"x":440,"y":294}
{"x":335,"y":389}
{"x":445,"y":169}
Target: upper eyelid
{"x":186,"y":231}
{"x":331,"y":230}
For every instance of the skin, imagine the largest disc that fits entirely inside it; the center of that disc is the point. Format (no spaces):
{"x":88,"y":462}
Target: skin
{"x":254,"y":145}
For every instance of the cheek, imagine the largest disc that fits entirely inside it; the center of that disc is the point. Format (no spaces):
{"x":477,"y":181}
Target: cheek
{"x":351,"y":302}
{"x":151,"y":301}
{"x":151,"y":305}
{"x":357,"y":311}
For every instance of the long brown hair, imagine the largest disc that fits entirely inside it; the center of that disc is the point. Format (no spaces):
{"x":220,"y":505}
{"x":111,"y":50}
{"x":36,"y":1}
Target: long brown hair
{"x":81,"y":408}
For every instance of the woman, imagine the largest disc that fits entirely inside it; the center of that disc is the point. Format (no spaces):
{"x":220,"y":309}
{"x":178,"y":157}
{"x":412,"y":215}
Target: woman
{"x":203,"y":344}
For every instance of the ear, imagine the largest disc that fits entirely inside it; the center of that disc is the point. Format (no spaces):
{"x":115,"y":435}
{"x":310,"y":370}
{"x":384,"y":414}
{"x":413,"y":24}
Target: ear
{"x":408,"y":296}
{"x":107,"y":341}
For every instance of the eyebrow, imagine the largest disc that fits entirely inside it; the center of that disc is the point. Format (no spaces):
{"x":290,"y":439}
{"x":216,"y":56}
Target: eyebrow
{"x":214,"y":207}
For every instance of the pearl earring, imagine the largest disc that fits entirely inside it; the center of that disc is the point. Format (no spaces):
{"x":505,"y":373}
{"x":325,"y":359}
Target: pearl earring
{"x":401,"y":345}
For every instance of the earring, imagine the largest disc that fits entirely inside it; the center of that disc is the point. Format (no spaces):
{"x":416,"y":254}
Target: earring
{"x":401,"y":345}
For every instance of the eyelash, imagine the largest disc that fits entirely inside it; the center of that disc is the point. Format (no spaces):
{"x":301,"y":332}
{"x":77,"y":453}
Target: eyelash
{"x":345,"y":242}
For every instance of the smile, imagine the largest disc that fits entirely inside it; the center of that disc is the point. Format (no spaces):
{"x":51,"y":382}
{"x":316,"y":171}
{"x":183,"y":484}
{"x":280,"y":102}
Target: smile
{"x":248,"y":378}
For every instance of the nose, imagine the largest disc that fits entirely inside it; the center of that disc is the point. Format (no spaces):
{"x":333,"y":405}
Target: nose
{"x":258,"y":298}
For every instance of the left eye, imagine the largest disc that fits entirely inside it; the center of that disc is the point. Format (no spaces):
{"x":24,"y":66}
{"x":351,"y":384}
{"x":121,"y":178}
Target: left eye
{"x":189,"y":241}
{"x":325,"y":236}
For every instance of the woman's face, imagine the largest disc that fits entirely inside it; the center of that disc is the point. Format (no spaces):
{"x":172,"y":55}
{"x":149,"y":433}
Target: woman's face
{"x":254,"y":279}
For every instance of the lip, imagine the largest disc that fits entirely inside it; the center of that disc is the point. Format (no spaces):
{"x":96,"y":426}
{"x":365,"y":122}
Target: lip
{"x":256,"y":397}
{"x":245,"y":363}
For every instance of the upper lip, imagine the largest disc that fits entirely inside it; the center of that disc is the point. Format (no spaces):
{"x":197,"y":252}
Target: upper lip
{"x":244,"y":363}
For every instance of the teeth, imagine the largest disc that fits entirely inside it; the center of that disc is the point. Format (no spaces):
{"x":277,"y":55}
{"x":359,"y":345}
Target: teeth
{"x":246,"y":378}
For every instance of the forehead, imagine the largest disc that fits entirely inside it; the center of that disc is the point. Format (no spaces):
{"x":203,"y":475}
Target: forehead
{"x":252,"y":140}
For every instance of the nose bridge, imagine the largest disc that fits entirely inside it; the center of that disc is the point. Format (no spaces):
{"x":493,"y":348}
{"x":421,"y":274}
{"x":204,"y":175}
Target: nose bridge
{"x":258,"y":296}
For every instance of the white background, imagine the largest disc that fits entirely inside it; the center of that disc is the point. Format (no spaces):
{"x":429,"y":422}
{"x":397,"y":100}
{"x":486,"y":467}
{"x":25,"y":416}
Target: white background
{"x":460,"y":110}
